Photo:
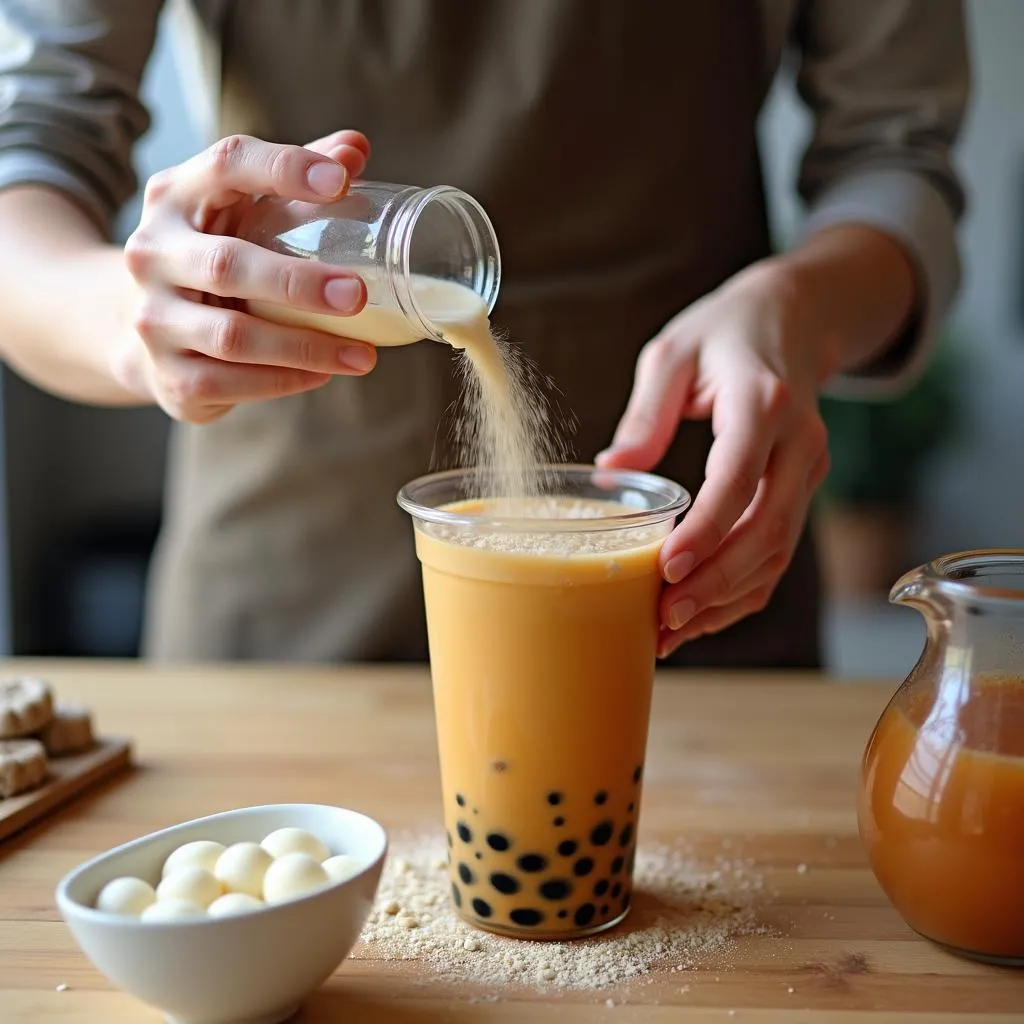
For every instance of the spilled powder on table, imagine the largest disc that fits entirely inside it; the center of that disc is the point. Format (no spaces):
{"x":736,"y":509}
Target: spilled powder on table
{"x":683,"y":912}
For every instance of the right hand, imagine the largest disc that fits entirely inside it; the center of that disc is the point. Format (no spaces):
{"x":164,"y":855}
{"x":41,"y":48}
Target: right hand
{"x":192,"y":349}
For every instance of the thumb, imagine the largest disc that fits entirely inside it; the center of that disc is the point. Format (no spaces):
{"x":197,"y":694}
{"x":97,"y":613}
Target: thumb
{"x":661,"y":391}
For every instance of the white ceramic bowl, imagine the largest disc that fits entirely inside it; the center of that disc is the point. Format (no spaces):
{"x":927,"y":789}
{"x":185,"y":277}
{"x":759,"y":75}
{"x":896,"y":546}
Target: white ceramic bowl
{"x":254,"y":968}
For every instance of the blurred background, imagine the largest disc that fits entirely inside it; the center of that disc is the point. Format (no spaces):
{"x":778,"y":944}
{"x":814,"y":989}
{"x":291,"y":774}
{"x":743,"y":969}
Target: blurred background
{"x":937,"y":471}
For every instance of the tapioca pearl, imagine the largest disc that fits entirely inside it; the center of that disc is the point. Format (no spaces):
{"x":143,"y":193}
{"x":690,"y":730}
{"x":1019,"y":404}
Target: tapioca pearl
{"x":482,"y":908}
{"x":496,"y":841}
{"x":556,"y":889}
{"x":600,"y":797}
{"x":456,"y":895}
{"x":567,"y":847}
{"x":617,"y":865}
{"x":505,"y":884}
{"x":460,"y":799}
{"x":465,"y":832}
{"x":601,"y":887}
{"x":558,"y":822}
{"x":604,"y":909}
{"x":450,"y":842}
{"x":531,"y":863}
{"x":563,"y":913}
{"x":583,"y":867}
{"x":554,"y":798}
{"x":585,"y":914}
{"x":637,"y":772}
{"x":466,"y":875}
{"x":626,"y":834}
{"x":630,"y":861}
{"x":526,"y":916}
{"x":616,"y":889}
{"x":602,"y":833}
{"x":478,"y":855}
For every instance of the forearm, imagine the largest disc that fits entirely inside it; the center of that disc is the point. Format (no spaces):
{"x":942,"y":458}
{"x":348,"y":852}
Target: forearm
{"x":66,"y":298}
{"x":856,"y":287}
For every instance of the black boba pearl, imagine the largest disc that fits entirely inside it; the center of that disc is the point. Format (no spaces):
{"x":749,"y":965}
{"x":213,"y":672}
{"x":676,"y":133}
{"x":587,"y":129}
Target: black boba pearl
{"x":526,"y":916}
{"x":456,"y":895}
{"x":449,"y":835}
{"x":460,"y":799}
{"x":600,"y":798}
{"x":626,"y":834}
{"x":504,"y":883}
{"x":466,"y":875}
{"x":630,"y":861}
{"x":531,"y":863}
{"x":558,"y":822}
{"x":556,"y":889}
{"x":602,"y":833}
{"x":465,"y":832}
{"x":554,"y":799}
{"x":478,"y":855}
{"x":638,"y":772}
{"x":496,"y":841}
{"x":600,"y":888}
{"x":585,"y":914}
{"x":604,"y":909}
{"x":583,"y":867}
{"x":567,"y":847}
{"x":482,"y":908}
{"x":616,"y":889}
{"x":616,"y":865}
{"x":563,"y":913}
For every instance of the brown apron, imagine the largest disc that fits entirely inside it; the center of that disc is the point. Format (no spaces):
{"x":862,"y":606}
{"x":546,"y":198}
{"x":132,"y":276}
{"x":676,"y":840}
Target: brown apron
{"x":614,"y":146}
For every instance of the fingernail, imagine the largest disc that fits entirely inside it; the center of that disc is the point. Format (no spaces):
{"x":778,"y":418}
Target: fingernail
{"x":326,"y":179}
{"x":358,"y":357}
{"x":345,"y":294}
{"x":680,"y":613}
{"x":679,"y":567}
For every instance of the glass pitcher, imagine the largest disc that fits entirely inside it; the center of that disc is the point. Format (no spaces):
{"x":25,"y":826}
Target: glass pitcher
{"x":941,"y":806}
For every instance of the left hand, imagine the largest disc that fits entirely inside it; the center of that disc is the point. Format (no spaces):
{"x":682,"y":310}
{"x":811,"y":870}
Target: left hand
{"x":748,"y":357}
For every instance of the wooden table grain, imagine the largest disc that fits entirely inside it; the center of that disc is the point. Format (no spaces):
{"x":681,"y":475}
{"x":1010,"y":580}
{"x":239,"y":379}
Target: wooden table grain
{"x":766,"y":764}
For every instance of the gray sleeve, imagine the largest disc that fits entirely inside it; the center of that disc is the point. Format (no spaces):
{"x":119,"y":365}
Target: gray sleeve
{"x":887,"y":83}
{"x":69,"y":106}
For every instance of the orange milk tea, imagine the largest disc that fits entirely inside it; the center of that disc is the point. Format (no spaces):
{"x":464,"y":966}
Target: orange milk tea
{"x":542,"y":650}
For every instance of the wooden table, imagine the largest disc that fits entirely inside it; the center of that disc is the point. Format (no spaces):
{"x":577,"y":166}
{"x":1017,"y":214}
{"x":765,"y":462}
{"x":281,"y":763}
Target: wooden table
{"x":765,"y":764}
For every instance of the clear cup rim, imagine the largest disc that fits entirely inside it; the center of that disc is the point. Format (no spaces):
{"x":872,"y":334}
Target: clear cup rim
{"x":676,"y":501}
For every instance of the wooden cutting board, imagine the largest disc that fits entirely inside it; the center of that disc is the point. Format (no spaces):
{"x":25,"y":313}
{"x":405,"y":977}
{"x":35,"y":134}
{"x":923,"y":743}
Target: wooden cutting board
{"x":69,"y":776}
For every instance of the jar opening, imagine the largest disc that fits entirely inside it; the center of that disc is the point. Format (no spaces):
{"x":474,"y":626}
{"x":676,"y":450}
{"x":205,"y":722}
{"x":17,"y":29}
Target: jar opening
{"x":446,"y":234}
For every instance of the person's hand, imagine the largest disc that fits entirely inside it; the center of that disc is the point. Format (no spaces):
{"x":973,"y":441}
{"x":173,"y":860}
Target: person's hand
{"x":191,"y":347}
{"x":747,"y":357}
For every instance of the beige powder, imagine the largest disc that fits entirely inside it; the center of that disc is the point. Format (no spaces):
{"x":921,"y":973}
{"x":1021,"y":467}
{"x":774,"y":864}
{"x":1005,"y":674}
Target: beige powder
{"x":682,"y":913}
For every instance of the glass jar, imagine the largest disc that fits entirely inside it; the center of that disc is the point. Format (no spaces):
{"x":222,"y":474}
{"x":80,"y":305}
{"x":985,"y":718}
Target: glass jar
{"x":429,"y":258}
{"x":941,"y":806}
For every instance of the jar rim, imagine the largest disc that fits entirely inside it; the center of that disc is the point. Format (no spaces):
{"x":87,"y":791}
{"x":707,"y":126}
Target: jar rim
{"x":475,"y":221}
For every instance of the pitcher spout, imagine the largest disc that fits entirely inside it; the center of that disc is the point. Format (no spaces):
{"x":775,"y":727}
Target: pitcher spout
{"x":913,"y":589}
